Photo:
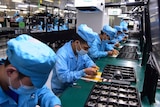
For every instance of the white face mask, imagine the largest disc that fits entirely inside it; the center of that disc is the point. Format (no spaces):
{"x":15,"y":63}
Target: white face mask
{"x":82,"y":51}
{"x":23,"y":89}
{"x":106,"y":41}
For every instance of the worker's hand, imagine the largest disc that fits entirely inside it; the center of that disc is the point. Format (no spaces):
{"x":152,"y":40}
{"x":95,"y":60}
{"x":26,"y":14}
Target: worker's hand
{"x":57,"y":106}
{"x":115,"y":52}
{"x":96,"y":68}
{"x":124,"y":39}
{"x":126,"y":36}
{"x":110,"y":53}
{"x":117,"y":44}
{"x":90,"y":71}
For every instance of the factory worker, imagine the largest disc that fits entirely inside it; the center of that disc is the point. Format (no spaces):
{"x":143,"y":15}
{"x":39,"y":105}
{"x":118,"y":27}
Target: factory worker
{"x":123,"y":23}
{"x":100,"y":46}
{"x":111,"y":32}
{"x":49,"y":28}
{"x":24,"y":73}
{"x":120,"y":35}
{"x":18,"y":18}
{"x":72,"y":61}
{"x":49,"y":23}
{"x":38,"y":27}
{"x":125,"y":31}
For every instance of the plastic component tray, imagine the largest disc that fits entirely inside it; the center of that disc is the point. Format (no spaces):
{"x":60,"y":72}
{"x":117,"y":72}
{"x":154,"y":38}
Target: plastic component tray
{"x":111,"y":95}
{"x":128,"y":52}
{"x":126,"y":49}
{"x":132,"y":56}
{"x":134,"y":42}
{"x":158,"y":83}
{"x":119,"y":73}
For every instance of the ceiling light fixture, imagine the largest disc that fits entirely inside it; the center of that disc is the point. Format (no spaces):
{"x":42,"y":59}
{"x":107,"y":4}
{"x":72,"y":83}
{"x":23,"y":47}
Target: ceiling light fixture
{"x":3,"y":6}
{"x":17,"y":1}
{"x":49,"y":0}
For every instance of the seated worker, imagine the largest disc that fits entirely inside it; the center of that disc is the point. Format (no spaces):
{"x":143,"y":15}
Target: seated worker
{"x":24,"y":73}
{"x":100,"y":46}
{"x":120,"y":35}
{"x":72,"y":61}
{"x":124,"y":25}
{"x":18,"y":18}
{"x":37,"y":24}
{"x":49,"y":25}
{"x":125,"y":30}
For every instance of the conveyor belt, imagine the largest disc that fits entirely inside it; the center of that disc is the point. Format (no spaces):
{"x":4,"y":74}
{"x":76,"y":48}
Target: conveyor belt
{"x":126,"y":73}
{"x":111,"y":95}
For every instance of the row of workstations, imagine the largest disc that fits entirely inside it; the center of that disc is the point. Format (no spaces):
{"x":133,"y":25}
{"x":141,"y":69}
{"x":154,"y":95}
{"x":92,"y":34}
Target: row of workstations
{"x":122,"y":91}
{"x":112,"y":93}
{"x":123,"y":83}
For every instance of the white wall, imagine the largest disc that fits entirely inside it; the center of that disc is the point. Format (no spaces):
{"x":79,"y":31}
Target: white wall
{"x":93,"y":20}
{"x":105,"y":17}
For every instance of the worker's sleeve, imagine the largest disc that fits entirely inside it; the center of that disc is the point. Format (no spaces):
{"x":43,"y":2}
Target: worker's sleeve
{"x":120,"y":38}
{"x":115,"y":40}
{"x":89,"y":62}
{"x":95,"y":52}
{"x":46,"y":98}
{"x":65,"y":75}
{"x":109,"y":47}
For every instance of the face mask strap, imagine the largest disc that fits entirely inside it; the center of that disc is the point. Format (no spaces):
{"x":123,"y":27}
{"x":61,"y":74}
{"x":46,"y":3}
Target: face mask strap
{"x":9,"y":80}
{"x":20,"y":82}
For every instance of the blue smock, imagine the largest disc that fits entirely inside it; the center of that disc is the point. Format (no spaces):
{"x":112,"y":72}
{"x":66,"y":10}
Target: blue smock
{"x":68,"y":68}
{"x":124,"y":24}
{"x":118,"y":38}
{"x":19,"y":19}
{"x":99,"y":48}
{"x":38,"y":27}
{"x":43,"y":97}
{"x":49,"y":28}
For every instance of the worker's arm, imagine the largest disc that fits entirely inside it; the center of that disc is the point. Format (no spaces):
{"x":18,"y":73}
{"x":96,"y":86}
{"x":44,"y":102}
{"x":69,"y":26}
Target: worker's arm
{"x":64,"y":71}
{"x":96,"y":52}
{"x":46,"y":98}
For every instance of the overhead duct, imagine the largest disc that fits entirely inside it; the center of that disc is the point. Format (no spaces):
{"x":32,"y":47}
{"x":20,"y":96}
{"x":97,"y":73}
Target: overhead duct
{"x":90,"y":5}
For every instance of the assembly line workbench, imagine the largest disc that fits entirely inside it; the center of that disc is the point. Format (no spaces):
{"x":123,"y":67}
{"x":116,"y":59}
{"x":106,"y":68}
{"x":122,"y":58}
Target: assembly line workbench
{"x":77,"y":95}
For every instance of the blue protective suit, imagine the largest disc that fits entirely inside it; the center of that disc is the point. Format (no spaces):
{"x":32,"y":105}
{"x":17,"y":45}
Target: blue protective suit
{"x":38,"y":27}
{"x":49,"y":28}
{"x":123,"y":23}
{"x":19,"y":19}
{"x":68,"y":68}
{"x":44,"y":97}
{"x":99,"y":48}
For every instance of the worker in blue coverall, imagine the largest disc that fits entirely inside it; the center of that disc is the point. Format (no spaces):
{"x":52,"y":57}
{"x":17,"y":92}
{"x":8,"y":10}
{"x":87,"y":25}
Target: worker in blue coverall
{"x":50,"y":23}
{"x":24,"y":73}
{"x":124,"y":25}
{"x":72,"y":61}
{"x":100,"y":46}
{"x":120,"y":35}
{"x":18,"y":18}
